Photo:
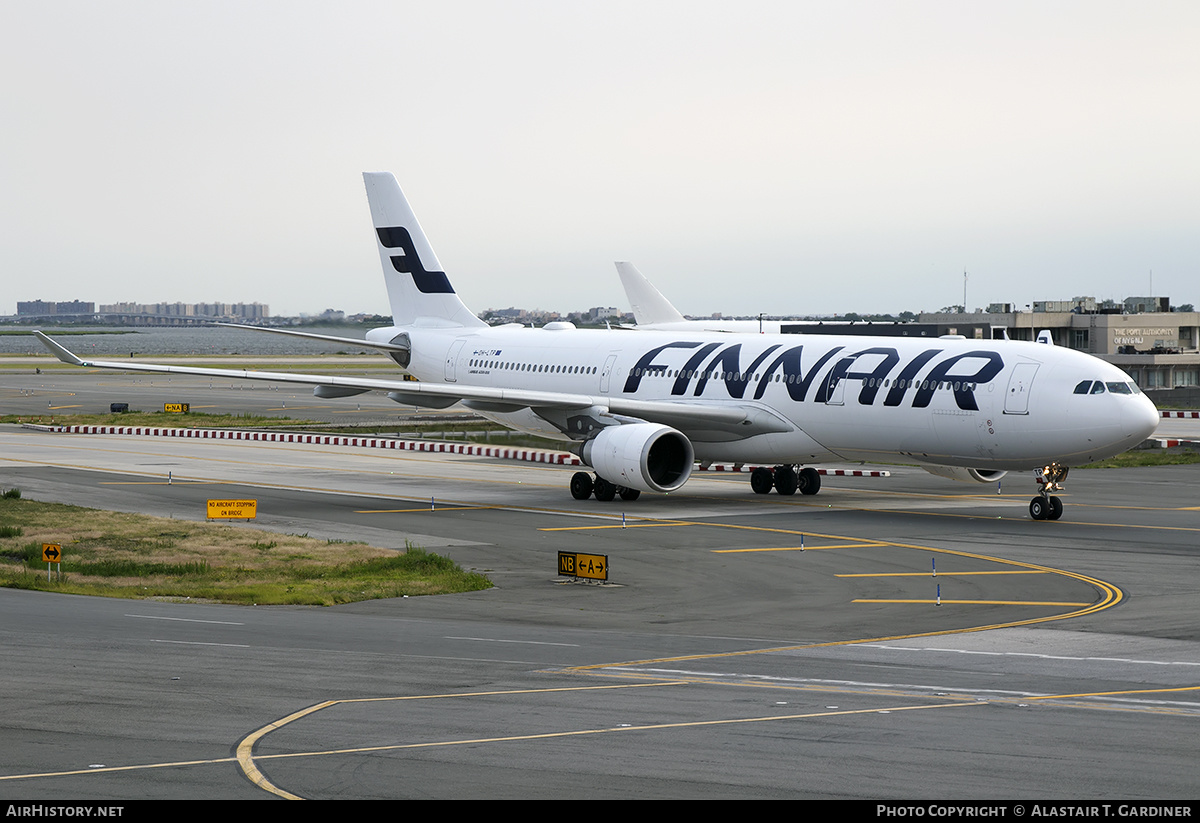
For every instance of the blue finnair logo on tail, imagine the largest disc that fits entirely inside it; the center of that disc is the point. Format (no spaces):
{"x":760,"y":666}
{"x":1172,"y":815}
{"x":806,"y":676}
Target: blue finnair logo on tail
{"x":409,"y":262}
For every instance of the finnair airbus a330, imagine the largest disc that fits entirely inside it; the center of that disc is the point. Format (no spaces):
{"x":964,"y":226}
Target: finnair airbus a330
{"x":641,"y":408}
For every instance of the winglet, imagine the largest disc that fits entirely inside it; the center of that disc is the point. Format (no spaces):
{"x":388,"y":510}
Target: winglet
{"x":58,"y":350}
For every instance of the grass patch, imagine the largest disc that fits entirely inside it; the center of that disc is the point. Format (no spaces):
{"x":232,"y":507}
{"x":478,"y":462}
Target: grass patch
{"x":1147,"y":457}
{"x":114,"y":554}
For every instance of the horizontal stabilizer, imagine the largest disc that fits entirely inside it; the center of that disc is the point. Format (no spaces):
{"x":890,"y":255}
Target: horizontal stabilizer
{"x":325,"y":338}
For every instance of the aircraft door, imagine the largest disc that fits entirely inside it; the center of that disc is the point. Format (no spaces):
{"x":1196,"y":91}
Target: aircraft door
{"x":452,"y":361}
{"x":606,"y":373}
{"x":1016,"y":398}
{"x":837,"y":392}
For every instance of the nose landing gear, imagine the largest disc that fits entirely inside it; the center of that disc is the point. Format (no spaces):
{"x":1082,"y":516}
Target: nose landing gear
{"x":1047,"y":506}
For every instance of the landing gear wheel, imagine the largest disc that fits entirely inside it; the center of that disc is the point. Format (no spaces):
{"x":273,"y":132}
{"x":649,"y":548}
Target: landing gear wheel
{"x":629,"y":494}
{"x":1046,"y":506}
{"x":786,"y":481}
{"x":1039,"y":509}
{"x":603,"y":490}
{"x":581,"y":485}
{"x":1056,"y":509}
{"x":761,"y":480}
{"x":810,"y":481}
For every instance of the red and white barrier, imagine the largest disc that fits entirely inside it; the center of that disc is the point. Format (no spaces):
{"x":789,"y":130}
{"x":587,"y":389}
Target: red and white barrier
{"x":734,"y":467}
{"x":1170,"y":443}
{"x":473,"y":449}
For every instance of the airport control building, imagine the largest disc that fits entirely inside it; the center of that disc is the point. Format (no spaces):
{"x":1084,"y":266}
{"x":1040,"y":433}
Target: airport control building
{"x":1157,"y":347}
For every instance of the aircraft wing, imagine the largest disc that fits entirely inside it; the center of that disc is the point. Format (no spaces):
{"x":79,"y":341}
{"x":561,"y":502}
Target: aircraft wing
{"x":743,"y":419}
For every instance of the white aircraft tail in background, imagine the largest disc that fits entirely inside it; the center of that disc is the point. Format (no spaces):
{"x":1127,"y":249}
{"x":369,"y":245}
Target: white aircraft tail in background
{"x":648,"y":305}
{"x":654,"y":312}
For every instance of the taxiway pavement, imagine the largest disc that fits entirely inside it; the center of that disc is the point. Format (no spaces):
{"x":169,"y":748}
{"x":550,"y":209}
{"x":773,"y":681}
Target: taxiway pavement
{"x":720,"y":660}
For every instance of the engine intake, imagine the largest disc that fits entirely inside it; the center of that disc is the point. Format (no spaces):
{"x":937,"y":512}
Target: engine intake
{"x":966,"y":475}
{"x":646,"y":456}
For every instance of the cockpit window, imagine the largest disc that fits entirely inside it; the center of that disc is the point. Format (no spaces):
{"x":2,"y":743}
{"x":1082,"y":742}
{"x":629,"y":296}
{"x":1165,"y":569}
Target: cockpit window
{"x":1100,"y":387}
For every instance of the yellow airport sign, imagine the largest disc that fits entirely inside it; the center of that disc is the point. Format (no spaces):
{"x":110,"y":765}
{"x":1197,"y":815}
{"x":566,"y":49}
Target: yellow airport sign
{"x":591,"y":566}
{"x":232,"y":509}
{"x":175,"y":408}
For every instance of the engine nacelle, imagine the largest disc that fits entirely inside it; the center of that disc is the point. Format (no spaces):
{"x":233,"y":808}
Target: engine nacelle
{"x":336,"y":391}
{"x":646,"y":456}
{"x":965,"y":475}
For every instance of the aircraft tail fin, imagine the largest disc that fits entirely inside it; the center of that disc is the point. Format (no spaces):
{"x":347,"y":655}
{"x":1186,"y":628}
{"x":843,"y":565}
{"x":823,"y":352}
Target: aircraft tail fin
{"x":646,"y":302}
{"x":418,"y":289}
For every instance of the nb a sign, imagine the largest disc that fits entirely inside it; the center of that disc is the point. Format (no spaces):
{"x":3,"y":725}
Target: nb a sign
{"x":591,"y":566}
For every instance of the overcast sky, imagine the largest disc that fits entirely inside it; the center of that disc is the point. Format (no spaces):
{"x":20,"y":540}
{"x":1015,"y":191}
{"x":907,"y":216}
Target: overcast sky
{"x":761,"y":156}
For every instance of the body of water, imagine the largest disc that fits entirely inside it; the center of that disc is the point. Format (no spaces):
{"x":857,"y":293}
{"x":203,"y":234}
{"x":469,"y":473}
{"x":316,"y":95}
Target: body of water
{"x":150,"y":341}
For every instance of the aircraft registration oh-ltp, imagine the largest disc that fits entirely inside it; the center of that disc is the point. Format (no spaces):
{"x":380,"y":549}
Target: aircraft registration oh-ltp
{"x":641,"y":408}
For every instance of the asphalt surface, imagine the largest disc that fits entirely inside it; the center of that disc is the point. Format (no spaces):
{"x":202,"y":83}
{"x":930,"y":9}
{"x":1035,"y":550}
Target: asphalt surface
{"x":76,"y":391}
{"x":720,"y":660}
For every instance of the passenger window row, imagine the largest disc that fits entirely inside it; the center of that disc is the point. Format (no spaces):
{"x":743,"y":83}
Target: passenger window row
{"x":534,"y":367}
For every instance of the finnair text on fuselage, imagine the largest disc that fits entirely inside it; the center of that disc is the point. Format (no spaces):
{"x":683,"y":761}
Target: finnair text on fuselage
{"x":879,"y":367}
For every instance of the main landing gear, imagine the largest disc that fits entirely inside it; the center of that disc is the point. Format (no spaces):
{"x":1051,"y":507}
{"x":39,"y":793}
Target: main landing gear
{"x":583,"y":486}
{"x":785,"y":480}
{"x":1047,"y":506}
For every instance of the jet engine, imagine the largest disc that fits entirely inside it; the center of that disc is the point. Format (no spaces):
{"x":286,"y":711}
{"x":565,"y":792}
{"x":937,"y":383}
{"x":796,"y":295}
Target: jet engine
{"x":965,"y":475}
{"x":646,"y":456}
{"x":337,"y":391}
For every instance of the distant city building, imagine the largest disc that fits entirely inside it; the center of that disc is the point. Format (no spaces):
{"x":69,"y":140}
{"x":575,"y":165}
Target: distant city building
{"x":215,"y":311}
{"x":42,"y":307}
{"x":513,"y":315}
{"x":599,"y":313}
{"x":29,"y":307}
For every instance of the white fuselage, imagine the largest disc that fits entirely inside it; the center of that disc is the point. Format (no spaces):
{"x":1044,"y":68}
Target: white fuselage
{"x":997,"y":405}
